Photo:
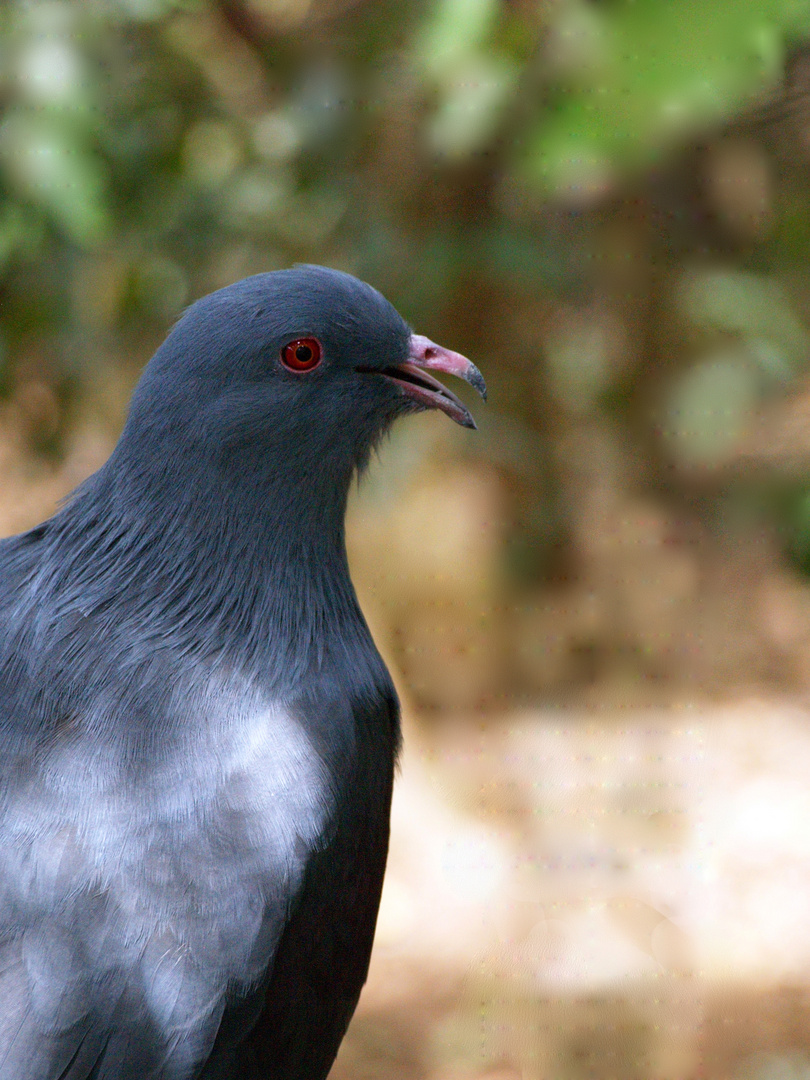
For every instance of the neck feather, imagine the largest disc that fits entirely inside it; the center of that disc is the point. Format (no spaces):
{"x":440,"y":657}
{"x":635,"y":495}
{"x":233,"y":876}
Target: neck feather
{"x":252,"y":571}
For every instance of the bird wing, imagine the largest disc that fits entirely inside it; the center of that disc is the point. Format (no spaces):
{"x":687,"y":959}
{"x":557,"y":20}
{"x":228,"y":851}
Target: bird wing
{"x":322,"y":958}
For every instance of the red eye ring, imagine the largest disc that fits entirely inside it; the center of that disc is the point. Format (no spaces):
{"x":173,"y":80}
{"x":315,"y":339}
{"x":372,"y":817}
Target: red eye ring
{"x":303,"y":354}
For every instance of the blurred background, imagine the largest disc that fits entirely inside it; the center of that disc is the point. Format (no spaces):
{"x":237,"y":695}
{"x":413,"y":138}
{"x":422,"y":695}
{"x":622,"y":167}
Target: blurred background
{"x":597,"y":608}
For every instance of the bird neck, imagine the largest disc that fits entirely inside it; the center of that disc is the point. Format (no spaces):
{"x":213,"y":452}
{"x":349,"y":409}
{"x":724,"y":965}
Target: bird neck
{"x":251,"y":568}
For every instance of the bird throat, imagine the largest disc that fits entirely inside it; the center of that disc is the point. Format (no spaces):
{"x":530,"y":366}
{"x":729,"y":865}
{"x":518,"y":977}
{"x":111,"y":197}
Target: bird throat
{"x":252,"y":570}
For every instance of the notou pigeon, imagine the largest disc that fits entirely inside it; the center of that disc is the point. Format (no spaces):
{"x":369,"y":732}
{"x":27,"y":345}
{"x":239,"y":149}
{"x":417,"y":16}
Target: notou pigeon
{"x":197,"y":733}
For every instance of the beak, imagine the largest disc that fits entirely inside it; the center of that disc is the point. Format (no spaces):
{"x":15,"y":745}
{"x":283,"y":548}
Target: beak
{"x":413,"y":378}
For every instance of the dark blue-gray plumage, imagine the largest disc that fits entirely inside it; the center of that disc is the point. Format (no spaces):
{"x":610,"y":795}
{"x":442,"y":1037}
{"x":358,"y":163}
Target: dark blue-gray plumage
{"x":197,"y":734}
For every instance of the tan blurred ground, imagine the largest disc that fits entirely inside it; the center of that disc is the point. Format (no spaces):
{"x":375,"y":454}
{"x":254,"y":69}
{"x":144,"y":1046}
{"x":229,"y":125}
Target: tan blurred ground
{"x":617,"y":885}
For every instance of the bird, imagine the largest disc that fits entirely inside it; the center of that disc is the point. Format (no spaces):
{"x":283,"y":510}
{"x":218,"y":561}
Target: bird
{"x":198,"y":736}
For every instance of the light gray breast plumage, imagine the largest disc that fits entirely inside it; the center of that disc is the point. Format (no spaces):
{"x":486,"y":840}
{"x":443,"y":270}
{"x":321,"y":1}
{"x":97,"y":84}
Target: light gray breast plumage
{"x":155,"y":897}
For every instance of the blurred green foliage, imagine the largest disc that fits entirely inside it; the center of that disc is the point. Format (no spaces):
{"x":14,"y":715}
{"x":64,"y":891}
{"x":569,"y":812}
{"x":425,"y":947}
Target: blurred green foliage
{"x":505,"y":170}
{"x":637,"y":75}
{"x":166,"y":140}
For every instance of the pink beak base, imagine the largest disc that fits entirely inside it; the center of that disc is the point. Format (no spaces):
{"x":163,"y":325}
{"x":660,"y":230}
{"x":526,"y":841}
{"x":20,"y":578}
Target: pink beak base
{"x":427,"y":354}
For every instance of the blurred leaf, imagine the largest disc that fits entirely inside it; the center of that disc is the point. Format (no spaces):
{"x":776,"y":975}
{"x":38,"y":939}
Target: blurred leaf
{"x":789,"y":238}
{"x":50,"y":163}
{"x":211,"y":152}
{"x":19,"y":232}
{"x":318,"y":103}
{"x":578,"y":355}
{"x":708,"y":408}
{"x":454,"y":30}
{"x":473,"y":80}
{"x":277,"y":136}
{"x":256,"y":197}
{"x":50,"y":72}
{"x":470,"y":107}
{"x":752,"y":305}
{"x":653,"y":73}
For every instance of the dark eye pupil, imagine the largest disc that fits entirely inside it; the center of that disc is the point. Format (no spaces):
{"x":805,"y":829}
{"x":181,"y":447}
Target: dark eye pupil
{"x":303,"y":354}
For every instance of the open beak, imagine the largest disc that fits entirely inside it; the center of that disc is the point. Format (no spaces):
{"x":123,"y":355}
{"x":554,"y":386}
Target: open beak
{"x":414,"y":378}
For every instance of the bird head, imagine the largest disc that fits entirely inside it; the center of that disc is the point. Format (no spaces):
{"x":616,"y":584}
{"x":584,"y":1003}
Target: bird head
{"x":219,"y":516}
{"x":307,"y":365}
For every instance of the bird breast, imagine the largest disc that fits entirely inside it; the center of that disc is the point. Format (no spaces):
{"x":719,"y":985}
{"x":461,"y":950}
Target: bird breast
{"x":174,"y":879}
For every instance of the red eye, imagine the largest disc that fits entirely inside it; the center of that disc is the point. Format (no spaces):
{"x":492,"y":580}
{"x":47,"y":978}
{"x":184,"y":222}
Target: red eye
{"x":304,"y":354}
